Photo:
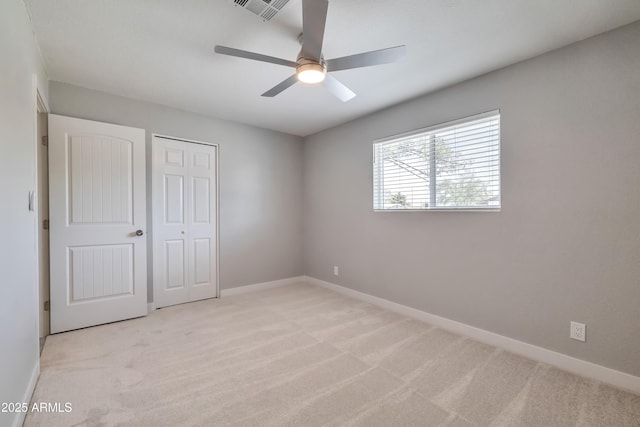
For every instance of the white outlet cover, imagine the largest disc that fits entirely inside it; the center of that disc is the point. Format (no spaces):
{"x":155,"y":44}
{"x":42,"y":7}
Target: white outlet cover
{"x":578,"y":331}
{"x":336,"y":271}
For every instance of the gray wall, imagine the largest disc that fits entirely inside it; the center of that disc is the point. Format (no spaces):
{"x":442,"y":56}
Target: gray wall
{"x":566,"y":244}
{"x":260,"y":181}
{"x":19,"y":63}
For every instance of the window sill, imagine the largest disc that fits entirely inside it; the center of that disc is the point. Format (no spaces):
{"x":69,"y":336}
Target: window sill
{"x":439,"y":210}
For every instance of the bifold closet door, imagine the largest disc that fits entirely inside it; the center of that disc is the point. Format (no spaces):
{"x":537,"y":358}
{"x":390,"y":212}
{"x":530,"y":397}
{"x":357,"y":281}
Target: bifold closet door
{"x":184,"y":221}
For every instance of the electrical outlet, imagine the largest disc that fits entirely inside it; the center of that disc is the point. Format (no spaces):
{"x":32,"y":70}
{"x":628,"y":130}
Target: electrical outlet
{"x":336,"y":271}
{"x":578,"y":331}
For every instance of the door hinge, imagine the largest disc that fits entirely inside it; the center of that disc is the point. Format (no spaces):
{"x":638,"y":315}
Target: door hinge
{"x":45,"y":140}
{"x":46,"y":306}
{"x":45,"y":224}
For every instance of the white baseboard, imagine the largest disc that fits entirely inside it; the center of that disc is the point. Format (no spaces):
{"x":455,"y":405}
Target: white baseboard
{"x":28,"y":394}
{"x":261,"y":286}
{"x":151,"y":306}
{"x":562,"y":361}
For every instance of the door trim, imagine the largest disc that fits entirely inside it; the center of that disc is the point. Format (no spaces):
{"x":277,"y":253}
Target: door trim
{"x":41,"y":106}
{"x":217,"y":199}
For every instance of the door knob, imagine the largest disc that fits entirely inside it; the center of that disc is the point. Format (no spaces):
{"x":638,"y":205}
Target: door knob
{"x":139,"y":232}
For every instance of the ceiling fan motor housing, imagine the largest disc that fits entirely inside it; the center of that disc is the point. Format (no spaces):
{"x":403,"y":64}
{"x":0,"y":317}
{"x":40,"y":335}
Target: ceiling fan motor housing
{"x":310,"y":71}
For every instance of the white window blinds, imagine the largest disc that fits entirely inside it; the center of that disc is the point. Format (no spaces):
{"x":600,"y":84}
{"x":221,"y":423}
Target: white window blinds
{"x":454,"y":165}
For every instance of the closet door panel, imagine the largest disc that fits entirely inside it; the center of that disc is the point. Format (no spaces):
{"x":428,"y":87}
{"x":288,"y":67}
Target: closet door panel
{"x":202,"y":226}
{"x":170,"y":281}
{"x":184,"y":221}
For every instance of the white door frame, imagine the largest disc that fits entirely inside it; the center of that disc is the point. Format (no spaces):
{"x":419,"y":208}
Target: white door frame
{"x":217,"y":211}
{"x":40,"y":107}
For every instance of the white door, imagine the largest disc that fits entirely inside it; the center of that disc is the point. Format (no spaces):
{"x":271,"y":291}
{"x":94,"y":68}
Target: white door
{"x":97,"y":223}
{"x":184,"y":221}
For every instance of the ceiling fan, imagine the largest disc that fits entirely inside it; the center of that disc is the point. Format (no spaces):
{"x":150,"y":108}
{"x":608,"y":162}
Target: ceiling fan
{"x":311,"y":67}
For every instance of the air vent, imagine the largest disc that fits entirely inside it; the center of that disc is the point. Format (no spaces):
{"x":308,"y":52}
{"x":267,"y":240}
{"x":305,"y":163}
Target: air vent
{"x":265,"y":9}
{"x":268,"y":14}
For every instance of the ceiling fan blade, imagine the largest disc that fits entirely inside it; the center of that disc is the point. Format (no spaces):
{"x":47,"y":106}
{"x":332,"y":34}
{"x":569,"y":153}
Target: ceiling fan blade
{"x":255,"y":56}
{"x":366,"y":59}
{"x":337,"y":89}
{"x":314,"y":16}
{"x":281,"y":86}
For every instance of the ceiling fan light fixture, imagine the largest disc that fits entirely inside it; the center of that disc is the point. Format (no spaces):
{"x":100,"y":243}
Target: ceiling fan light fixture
{"x":311,"y":73}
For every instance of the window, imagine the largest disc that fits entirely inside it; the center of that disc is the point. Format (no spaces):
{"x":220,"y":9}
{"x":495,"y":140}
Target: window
{"x":454,"y":165}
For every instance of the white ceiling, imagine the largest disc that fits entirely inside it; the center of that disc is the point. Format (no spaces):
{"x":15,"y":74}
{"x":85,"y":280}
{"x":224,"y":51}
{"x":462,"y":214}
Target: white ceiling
{"x":162,"y":50}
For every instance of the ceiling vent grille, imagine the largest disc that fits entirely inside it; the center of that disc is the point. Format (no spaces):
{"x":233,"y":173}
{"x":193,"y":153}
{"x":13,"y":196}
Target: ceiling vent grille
{"x":265,"y":9}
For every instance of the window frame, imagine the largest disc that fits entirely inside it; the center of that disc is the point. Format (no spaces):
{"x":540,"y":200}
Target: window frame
{"x":442,"y":125}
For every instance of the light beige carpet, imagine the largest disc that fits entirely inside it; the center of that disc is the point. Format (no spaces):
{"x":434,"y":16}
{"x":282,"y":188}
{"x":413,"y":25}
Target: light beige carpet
{"x":305,"y":356}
